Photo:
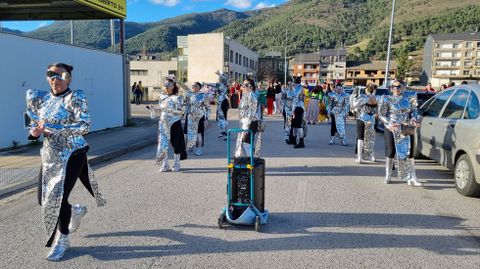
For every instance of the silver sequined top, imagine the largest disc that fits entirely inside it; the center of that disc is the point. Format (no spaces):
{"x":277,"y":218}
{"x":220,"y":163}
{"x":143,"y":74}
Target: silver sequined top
{"x":338,"y":103}
{"x":66,"y":117}
{"x":397,"y":109}
{"x":299,"y":98}
{"x":171,"y":108}
{"x":198,"y":104}
{"x":249,"y":108}
{"x":288,"y":96}
{"x":367,"y":112}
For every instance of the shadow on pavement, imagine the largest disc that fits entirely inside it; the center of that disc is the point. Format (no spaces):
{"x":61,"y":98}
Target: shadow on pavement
{"x":299,"y":224}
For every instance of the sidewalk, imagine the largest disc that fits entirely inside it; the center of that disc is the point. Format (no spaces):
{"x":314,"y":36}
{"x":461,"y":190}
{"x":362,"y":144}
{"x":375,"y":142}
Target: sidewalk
{"x":19,"y":168}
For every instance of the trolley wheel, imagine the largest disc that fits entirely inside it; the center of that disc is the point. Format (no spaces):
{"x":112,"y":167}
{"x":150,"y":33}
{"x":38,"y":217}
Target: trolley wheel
{"x":257,"y":223}
{"x":222,"y":220}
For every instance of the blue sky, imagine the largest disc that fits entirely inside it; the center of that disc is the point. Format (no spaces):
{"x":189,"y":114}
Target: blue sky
{"x":155,"y":10}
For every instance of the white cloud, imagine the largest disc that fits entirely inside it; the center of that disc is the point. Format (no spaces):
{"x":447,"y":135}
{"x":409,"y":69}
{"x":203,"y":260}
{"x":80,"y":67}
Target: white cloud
{"x":168,"y":3}
{"x":262,"y":5}
{"x":239,"y":3}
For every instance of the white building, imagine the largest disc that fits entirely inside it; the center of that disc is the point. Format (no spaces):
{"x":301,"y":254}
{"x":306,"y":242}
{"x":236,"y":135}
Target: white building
{"x":152,"y":75}
{"x":201,"y":55}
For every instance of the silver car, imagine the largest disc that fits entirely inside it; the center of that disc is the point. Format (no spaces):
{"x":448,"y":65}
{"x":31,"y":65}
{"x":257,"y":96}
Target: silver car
{"x":450,"y":134}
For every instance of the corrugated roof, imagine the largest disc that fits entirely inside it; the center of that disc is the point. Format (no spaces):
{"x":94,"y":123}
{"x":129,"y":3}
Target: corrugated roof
{"x":373,"y":65}
{"x":315,"y":57}
{"x":468,"y":36}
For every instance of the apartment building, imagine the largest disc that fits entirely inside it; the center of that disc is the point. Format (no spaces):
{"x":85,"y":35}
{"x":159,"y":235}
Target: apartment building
{"x":152,"y":75}
{"x":371,"y":72}
{"x":326,"y":65}
{"x":451,"y":57}
{"x":201,"y":55}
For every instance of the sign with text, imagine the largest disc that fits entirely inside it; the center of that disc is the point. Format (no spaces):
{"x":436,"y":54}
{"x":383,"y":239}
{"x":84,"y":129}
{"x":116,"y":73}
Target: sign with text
{"x":117,"y":8}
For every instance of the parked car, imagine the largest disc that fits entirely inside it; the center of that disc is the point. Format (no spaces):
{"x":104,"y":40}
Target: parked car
{"x":450,"y":134}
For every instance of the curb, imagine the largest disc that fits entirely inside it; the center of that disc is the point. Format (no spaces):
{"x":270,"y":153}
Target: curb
{"x":28,"y":184}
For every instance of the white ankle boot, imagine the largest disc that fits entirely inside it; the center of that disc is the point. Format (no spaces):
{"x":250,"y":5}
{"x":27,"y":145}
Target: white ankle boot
{"x":165,"y":166}
{"x":176,"y":163}
{"x":199,"y":151}
{"x":413,"y":175}
{"x":332,"y":140}
{"x":78,"y":211}
{"x":60,"y":246}
{"x":388,"y":170}
{"x":359,"y":151}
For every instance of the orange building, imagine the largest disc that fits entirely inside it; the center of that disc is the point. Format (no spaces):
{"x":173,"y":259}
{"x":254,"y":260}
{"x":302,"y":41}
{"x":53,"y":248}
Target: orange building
{"x":372,"y":72}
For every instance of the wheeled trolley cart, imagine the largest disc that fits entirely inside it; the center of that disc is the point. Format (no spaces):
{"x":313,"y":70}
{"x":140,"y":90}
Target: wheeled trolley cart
{"x":245,"y":189}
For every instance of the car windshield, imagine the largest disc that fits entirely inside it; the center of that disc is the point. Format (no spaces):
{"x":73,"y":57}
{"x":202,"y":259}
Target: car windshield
{"x":382,"y":91}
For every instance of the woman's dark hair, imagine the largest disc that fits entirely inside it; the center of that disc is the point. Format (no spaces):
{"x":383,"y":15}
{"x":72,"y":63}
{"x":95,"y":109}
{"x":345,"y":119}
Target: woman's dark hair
{"x":175,"y":87}
{"x":317,"y":89}
{"x":251,"y":82}
{"x":67,"y":67}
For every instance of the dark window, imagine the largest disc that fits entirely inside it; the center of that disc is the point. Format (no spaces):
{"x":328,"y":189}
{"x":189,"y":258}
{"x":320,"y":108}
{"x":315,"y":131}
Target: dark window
{"x":456,"y":105}
{"x":236,"y":58}
{"x":231,"y":56}
{"x":435,"y":107}
{"x":473,"y":107}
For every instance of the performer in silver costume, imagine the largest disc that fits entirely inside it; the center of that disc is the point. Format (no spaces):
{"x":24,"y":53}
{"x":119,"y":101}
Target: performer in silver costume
{"x":288,"y":96}
{"x":196,"y":119}
{"x":250,"y":118}
{"x":62,"y":116}
{"x":171,"y":108}
{"x":338,"y":103}
{"x":221,"y":92}
{"x":366,"y":106}
{"x":396,"y":112}
{"x":298,"y":119}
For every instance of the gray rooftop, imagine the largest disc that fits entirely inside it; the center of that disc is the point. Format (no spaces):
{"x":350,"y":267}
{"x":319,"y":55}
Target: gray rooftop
{"x":457,"y":36}
{"x":315,"y":57}
{"x":373,"y":65}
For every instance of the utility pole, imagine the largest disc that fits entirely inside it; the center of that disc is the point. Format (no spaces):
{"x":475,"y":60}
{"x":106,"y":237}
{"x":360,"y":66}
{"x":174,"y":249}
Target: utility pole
{"x":72,"y":33}
{"x":387,"y":70}
{"x":285,"y":64}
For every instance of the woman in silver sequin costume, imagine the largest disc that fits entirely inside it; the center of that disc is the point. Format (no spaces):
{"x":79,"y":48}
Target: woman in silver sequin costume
{"x":62,"y":117}
{"x":298,"y":121}
{"x":397,"y":111}
{"x":221,"y":93}
{"x":196,"y":119}
{"x":338,"y":103}
{"x":250,"y":118}
{"x":288,"y":95}
{"x":366,"y":106}
{"x":171,"y":108}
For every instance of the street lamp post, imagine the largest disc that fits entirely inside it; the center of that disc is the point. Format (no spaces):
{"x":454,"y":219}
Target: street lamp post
{"x":387,"y":70}
{"x":285,"y":64}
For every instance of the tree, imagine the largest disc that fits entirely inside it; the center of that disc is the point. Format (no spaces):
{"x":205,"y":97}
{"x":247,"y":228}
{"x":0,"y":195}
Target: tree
{"x":404,"y":63}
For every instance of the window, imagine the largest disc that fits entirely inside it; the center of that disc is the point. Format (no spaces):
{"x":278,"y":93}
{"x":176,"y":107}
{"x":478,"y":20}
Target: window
{"x":468,"y":54}
{"x":435,"y":107}
{"x":469,"y":45}
{"x":231,"y":56}
{"x":473,"y":107}
{"x":236,"y":58}
{"x":456,"y":106}
{"x":466,"y":72}
{"x":139,"y":72}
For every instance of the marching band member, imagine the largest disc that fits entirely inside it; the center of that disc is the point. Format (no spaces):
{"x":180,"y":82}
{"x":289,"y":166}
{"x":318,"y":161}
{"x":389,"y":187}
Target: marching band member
{"x":62,"y":116}
{"x":196,"y":120}
{"x":399,"y":115}
{"x":171,"y":108}
{"x":337,"y":109}
{"x":366,"y":106}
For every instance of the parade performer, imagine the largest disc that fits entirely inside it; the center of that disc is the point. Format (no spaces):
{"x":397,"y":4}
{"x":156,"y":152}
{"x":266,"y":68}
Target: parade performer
{"x":171,"y":109}
{"x":338,"y":103}
{"x":250,"y":118}
{"x":298,"y":122}
{"x":221,"y":92}
{"x":196,"y":119}
{"x":366,"y":107}
{"x":399,"y":115}
{"x":62,"y":116}
{"x":288,"y":94}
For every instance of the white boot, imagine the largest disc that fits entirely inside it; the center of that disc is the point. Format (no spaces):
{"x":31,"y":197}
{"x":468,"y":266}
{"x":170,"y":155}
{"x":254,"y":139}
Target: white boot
{"x":413,"y":175}
{"x":165,"y":167}
{"x":332,"y":140}
{"x":344,"y":142}
{"x":176,"y":163}
{"x":78,"y":211}
{"x":388,"y":170}
{"x":359,"y":151}
{"x":199,"y":150}
{"x":60,"y":246}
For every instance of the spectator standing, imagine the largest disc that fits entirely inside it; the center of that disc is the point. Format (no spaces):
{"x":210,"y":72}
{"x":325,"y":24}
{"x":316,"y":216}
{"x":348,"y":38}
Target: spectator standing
{"x":429,"y":88}
{"x":270,"y":97}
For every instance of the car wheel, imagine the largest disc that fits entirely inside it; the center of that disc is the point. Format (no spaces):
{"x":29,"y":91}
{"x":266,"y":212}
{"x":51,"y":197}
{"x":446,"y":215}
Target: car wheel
{"x":464,"y":177}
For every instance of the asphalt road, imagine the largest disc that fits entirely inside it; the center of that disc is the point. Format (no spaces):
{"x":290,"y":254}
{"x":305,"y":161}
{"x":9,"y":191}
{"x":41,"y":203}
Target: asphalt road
{"x":326,"y":212}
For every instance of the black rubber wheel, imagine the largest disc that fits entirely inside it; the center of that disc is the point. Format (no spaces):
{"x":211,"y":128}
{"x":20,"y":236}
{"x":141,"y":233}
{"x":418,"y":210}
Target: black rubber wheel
{"x":464,"y":177}
{"x":221,"y":221}
{"x":257,"y":224}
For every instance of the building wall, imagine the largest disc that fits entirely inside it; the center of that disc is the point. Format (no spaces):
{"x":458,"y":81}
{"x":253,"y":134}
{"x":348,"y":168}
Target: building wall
{"x":152,"y":74}
{"x":205,"y":57}
{"x":247,"y":64}
{"x":360,"y":77}
{"x":98,"y":73}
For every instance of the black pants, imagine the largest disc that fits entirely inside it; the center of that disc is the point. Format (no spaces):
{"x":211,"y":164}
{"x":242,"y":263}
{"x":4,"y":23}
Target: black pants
{"x":178,"y":140}
{"x":390,"y":144}
{"x":224,"y":107}
{"x":333,"y":125}
{"x":297,"y":121}
{"x":360,"y":130}
{"x":76,"y":168}
{"x":254,"y":127}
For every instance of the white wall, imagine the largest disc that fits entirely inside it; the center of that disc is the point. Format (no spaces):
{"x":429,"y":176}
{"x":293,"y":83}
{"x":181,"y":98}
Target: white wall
{"x":23,"y":63}
{"x":157,"y":71}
